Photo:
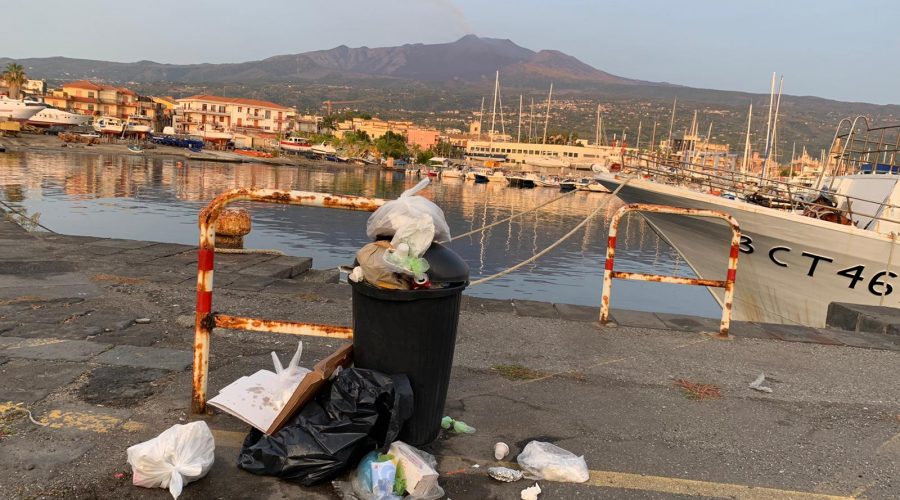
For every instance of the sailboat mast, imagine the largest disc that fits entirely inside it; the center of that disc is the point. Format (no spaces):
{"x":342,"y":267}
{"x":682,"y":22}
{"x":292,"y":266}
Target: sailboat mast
{"x":597,"y":133}
{"x":769,"y":123}
{"x":547,"y":115}
{"x":747,"y":141}
{"x":519,"y":133}
{"x":494,"y":111}
{"x":480,"y":116}
{"x":531,"y":121}
{"x":671,"y":125}
{"x":774,"y":148}
{"x":653,"y":136}
{"x":637,"y":144}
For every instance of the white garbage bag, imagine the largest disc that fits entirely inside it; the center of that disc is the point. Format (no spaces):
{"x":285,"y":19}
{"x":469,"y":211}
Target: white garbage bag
{"x":403,"y":212}
{"x":547,"y":461}
{"x":181,"y":454}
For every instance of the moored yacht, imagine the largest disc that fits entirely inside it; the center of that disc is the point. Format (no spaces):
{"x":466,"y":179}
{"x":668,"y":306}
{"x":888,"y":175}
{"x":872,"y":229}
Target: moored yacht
{"x":51,"y":116}
{"x":295,"y":145}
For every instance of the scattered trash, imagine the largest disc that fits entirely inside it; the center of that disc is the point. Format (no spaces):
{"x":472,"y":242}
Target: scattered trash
{"x":420,"y":475}
{"x":547,"y":461}
{"x":404,"y":211}
{"x":363,"y":410}
{"x":119,"y":475}
{"x":693,"y":390}
{"x":375,"y":268}
{"x":265,"y":400}
{"x":757,"y":385}
{"x":357,"y":274}
{"x":505,"y":474}
{"x":501,"y":450}
{"x":142,"y":321}
{"x":362,"y":483}
{"x":475,"y":466}
{"x":458,"y":426}
{"x":530,"y":493}
{"x":181,"y":454}
{"x":383,"y":476}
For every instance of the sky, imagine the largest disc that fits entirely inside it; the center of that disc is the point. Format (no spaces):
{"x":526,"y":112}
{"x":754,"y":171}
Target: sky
{"x":834,"y":49}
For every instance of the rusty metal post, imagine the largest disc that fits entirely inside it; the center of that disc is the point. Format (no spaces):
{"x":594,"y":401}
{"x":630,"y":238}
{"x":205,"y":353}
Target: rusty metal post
{"x":206,"y":320}
{"x":728,"y":284}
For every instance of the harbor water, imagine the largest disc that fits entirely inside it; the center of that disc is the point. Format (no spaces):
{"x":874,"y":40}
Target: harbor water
{"x":158,"y":199}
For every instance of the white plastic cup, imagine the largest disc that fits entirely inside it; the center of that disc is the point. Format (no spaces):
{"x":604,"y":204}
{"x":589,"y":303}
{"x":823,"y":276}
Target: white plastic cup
{"x":501,"y":450}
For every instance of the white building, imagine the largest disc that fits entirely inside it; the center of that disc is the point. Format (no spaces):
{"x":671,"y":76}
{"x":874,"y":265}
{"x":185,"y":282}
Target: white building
{"x":209,"y":116}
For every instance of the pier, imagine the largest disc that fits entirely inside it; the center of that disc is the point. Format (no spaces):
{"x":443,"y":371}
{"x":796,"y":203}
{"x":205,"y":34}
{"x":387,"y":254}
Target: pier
{"x":96,"y":338}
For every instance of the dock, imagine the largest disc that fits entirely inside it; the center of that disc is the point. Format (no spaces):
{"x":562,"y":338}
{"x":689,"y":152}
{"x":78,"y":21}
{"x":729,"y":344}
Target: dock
{"x":77,"y":352}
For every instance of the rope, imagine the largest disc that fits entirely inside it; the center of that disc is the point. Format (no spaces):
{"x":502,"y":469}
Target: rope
{"x":511,"y":217}
{"x":555,"y":244}
{"x":25,"y":215}
{"x":249,"y":251}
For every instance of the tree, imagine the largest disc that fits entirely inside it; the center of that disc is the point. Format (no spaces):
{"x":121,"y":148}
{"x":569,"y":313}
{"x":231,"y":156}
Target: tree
{"x":15,"y":77}
{"x":423,"y":156}
{"x":392,"y":144}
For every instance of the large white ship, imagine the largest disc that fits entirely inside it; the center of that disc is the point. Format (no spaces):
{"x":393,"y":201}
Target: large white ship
{"x":19,"y":109}
{"x":833,"y":244}
{"x":51,"y":116}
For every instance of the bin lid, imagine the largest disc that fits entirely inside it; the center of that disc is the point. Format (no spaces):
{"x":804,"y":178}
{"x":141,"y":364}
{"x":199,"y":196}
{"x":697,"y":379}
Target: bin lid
{"x":445,"y":265}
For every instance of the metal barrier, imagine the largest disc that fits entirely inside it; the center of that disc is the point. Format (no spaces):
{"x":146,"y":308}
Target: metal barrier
{"x":728,"y":284}
{"x":206,"y":320}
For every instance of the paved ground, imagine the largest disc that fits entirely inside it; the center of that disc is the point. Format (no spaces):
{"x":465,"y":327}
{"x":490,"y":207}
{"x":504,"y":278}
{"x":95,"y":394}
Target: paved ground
{"x":72,"y":353}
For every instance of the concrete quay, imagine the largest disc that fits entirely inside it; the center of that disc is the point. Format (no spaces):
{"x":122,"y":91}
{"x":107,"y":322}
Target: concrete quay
{"x":73,"y":354}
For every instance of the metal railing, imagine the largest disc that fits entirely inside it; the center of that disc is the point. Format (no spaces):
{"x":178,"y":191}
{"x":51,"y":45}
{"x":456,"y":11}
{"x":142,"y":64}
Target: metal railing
{"x":727,"y":284}
{"x":206,"y":320}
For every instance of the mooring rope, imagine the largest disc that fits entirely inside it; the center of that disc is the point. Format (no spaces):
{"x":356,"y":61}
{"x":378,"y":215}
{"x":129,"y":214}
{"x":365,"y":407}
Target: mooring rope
{"x":250,"y":251}
{"x":554,"y":244}
{"x":511,"y":217}
{"x":24,"y":214}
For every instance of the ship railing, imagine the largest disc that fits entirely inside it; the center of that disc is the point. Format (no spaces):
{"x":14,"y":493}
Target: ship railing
{"x":862,"y":144}
{"x":793,"y":197}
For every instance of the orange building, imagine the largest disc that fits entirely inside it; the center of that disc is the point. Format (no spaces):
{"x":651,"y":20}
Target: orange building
{"x":89,"y":98}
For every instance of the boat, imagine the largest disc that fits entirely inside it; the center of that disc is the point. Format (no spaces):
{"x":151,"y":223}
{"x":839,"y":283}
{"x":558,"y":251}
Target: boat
{"x":50,"y":116}
{"x":452,"y":173}
{"x":481,"y":177}
{"x":568,"y":184}
{"x":253,"y":153}
{"x":109,"y":125}
{"x":524,"y":180}
{"x":547,"y":162}
{"x":834,"y":243}
{"x":295,"y":145}
{"x":323,"y":149}
{"x":496,"y":176}
{"x":547,"y":181}
{"x":19,"y":109}
{"x":593,"y":186}
{"x":135,"y":148}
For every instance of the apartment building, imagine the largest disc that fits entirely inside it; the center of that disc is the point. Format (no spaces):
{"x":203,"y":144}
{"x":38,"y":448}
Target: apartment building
{"x":424,"y":138}
{"x":90,"y":98}
{"x":206,"y":115}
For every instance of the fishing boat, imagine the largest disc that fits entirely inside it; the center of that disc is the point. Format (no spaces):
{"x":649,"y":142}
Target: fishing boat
{"x":568,"y":184}
{"x":323,"y":149}
{"x":19,"y":109}
{"x":833,"y":243}
{"x":295,"y":145}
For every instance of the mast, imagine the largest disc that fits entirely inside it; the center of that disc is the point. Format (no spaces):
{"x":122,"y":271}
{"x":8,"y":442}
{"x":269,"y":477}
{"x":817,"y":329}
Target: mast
{"x":519,"y":133}
{"x":480,"y":116}
{"x":494,"y":112}
{"x":547,"y":115}
{"x":769,"y":125}
{"x":500,"y":105}
{"x":671,"y":125}
{"x":531,"y":121}
{"x":747,"y":141}
{"x":653,"y":136}
{"x":774,"y":148}
{"x":637,"y":144}
{"x":597,"y":133}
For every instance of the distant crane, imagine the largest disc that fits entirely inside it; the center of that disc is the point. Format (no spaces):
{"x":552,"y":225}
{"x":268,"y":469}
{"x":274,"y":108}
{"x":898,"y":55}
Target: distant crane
{"x":328,"y":104}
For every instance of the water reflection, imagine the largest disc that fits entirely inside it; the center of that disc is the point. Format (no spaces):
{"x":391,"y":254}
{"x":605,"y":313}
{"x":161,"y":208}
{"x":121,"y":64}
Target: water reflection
{"x":158,"y":199}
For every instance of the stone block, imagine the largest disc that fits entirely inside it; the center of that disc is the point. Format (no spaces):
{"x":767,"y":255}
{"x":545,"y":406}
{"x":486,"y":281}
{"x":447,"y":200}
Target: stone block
{"x":282,"y":267}
{"x":146,"y":357}
{"x":55,"y":349}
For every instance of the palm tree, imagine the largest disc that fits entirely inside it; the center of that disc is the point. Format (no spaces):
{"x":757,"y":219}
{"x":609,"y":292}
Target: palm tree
{"x":15,"y":78}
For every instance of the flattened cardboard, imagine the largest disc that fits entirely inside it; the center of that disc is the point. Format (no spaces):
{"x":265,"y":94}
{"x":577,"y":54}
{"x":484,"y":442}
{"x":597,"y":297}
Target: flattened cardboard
{"x":310,"y":385}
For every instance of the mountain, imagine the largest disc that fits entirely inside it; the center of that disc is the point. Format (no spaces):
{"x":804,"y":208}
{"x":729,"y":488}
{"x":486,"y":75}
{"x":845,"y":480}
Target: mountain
{"x":469,"y":59}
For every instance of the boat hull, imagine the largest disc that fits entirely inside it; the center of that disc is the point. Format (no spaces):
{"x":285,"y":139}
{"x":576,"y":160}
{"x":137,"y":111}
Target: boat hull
{"x":790,"y":267}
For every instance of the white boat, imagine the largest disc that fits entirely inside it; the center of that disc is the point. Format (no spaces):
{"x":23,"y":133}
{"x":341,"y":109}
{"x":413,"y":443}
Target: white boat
{"x":323,"y":149}
{"x":473,"y":172}
{"x":545,"y":181}
{"x":295,"y":145}
{"x":19,"y":109}
{"x":547,"y":162}
{"x":792,"y":263}
{"x":51,"y":116}
{"x":452,"y":173}
{"x":496,"y":176}
{"x":593,"y":186}
{"x":112,"y":126}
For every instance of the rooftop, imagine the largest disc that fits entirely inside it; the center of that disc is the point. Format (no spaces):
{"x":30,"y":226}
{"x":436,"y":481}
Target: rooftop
{"x":234,"y":100}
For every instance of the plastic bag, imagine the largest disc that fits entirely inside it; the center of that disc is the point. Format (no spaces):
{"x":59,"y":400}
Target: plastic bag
{"x":361,"y":411}
{"x":375,"y":269}
{"x":547,"y":461}
{"x":360,"y":485}
{"x":181,"y":454}
{"x":288,"y":378}
{"x":400,"y":260}
{"x":404,"y":211}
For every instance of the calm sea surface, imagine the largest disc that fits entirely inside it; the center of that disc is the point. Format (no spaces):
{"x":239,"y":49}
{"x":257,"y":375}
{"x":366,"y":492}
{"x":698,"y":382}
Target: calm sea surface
{"x":123,"y":196}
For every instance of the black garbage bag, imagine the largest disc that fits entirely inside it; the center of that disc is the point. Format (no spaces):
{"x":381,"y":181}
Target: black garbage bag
{"x":363,"y":410}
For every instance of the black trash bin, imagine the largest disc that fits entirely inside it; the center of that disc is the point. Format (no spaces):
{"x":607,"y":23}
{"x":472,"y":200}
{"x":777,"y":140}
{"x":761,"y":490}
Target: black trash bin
{"x":413,"y":332}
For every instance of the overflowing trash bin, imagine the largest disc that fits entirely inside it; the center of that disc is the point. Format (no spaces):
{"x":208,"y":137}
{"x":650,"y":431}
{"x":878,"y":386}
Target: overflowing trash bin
{"x":405,"y":318}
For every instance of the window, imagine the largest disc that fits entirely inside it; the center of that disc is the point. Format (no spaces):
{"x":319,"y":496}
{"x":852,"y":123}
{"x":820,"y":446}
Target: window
{"x":204,"y":107}
{"x":90,"y":107}
{"x":221,"y":119}
{"x":221,"y":109}
{"x":90,"y":94}
{"x":268,"y":114}
{"x":240,"y":109}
